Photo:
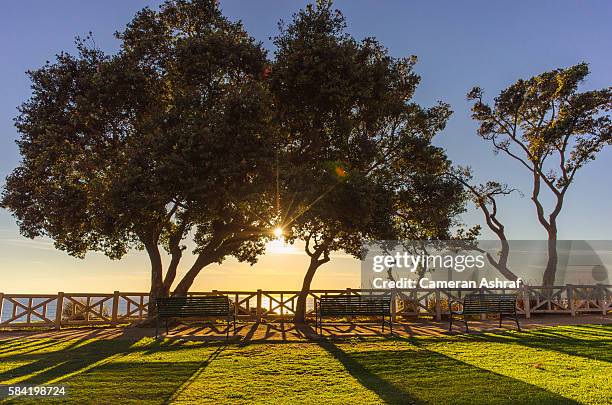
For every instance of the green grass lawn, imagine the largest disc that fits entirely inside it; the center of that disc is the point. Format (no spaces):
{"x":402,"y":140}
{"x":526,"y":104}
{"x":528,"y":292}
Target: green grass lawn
{"x":546,"y":366}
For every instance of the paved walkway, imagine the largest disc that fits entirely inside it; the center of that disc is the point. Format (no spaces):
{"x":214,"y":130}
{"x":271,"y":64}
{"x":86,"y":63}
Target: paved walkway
{"x":286,"y":331}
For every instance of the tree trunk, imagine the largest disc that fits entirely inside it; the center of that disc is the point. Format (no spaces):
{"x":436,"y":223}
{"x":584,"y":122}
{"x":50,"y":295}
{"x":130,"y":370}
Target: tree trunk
{"x":157,"y":285}
{"x":176,"y":253}
{"x":171,"y":273}
{"x":502,"y":264}
{"x":203,"y":260}
{"x":300,"y":308}
{"x":551,"y":228}
{"x":213,"y":252}
{"x":499,"y":229}
{"x":551,"y":266}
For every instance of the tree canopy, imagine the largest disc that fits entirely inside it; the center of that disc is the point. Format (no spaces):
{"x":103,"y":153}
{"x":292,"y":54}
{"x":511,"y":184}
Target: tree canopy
{"x":552,"y":130}
{"x":358,"y":158}
{"x":169,"y":137}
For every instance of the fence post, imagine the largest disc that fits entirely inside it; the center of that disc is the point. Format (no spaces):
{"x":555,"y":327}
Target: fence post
{"x":438,"y":305}
{"x":570,"y":299}
{"x":1,"y":305}
{"x":605,"y":300}
{"x":87,"y":308}
{"x":349,"y":293}
{"x":114,"y":315}
{"x":258,"y":310}
{"x":602,"y":299}
{"x":526,"y":302}
{"x":58,"y":310}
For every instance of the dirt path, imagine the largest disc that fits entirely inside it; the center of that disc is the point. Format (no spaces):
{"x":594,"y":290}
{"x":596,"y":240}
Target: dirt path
{"x":286,"y":331}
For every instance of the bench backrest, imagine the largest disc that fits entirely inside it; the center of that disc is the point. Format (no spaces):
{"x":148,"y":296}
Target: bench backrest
{"x":354,"y":305}
{"x":205,"y":305}
{"x":489,"y":303}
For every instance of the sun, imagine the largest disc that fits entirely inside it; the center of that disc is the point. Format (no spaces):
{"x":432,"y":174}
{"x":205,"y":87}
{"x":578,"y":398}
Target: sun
{"x":279,"y":245}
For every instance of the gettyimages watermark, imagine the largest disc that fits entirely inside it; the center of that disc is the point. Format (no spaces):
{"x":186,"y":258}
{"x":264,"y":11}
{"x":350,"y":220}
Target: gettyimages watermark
{"x":474,"y":264}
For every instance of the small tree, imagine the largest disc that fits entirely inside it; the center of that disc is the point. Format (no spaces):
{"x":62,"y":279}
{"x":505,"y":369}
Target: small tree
{"x":349,"y":134}
{"x":552,"y":130}
{"x":167,"y":139}
{"x":484,"y":196}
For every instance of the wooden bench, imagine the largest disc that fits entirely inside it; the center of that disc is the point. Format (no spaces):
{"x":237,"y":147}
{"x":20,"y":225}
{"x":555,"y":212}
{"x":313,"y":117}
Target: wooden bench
{"x":476,"y":304}
{"x":218,"y":306}
{"x":353,"y":305}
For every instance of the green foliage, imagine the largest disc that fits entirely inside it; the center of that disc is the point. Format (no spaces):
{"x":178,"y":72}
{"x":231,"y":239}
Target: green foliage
{"x":170,"y":136}
{"x":356,"y":154}
{"x":545,"y":116}
{"x":181,"y":132}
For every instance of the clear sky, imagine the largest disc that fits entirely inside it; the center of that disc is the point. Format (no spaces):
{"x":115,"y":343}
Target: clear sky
{"x":459,"y":45}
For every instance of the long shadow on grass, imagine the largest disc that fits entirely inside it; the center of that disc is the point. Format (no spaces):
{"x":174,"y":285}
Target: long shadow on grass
{"x":34,"y":347}
{"x":144,"y":379}
{"x":18,"y":344}
{"x":417,"y":375}
{"x":46,"y":366}
{"x":197,"y":373}
{"x":97,"y":370}
{"x":573,"y":341}
{"x":386,"y":390}
{"x":7,"y":342}
{"x":21,"y":345}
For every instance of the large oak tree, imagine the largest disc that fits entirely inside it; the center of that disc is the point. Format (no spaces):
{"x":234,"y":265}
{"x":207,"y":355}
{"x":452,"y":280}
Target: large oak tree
{"x":166,"y":140}
{"x":357,"y":162}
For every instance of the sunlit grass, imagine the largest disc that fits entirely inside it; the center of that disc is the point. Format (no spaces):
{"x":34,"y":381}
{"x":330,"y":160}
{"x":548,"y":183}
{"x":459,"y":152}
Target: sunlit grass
{"x":547,"y":366}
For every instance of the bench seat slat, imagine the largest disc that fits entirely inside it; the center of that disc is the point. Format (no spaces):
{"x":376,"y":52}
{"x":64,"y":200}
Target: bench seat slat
{"x":473,"y":304}
{"x":201,"y":306}
{"x":339,"y":305}
{"x":488,"y":303}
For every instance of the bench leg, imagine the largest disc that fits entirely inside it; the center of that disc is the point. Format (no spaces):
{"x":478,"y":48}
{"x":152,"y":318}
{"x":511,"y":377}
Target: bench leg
{"x":383,"y":324}
{"x":467,"y":329}
{"x":500,"y":319}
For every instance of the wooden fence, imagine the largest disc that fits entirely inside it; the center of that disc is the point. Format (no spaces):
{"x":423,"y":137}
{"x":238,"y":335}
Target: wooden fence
{"x":67,"y":309}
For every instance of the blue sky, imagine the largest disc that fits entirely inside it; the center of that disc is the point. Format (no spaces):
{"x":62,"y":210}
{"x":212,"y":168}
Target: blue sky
{"x":459,"y":45}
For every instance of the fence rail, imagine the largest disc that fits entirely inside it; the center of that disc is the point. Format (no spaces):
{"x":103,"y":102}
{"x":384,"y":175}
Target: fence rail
{"x":66,"y":309}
